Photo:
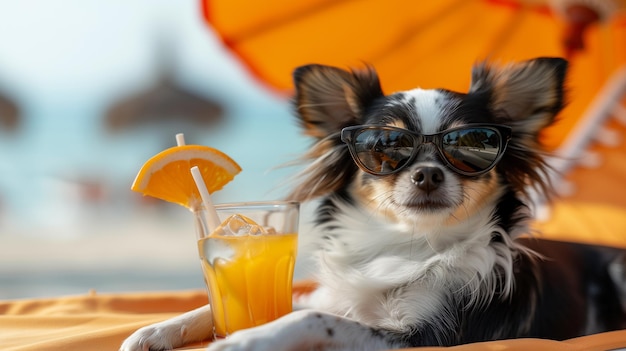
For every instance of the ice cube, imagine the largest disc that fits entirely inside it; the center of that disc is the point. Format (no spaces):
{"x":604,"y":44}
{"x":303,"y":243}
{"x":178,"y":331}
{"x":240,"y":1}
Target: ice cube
{"x":239,"y":225}
{"x":214,"y":249}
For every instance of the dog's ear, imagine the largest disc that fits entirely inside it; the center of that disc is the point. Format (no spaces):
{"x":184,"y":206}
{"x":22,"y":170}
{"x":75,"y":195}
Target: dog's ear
{"x":329,"y":98}
{"x":526,"y":95}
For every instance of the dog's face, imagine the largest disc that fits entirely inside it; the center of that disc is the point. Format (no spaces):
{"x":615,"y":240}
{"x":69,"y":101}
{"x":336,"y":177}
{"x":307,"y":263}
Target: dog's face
{"x":416,"y":159}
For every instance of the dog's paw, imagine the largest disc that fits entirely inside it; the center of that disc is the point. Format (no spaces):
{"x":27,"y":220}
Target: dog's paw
{"x":307,"y":330}
{"x":283,"y":334}
{"x":155,"y":337}
{"x":294,"y":331}
{"x":255,"y":339}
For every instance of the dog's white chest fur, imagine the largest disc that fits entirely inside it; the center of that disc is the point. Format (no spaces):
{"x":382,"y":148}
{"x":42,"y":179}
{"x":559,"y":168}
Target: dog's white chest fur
{"x":397,"y":276}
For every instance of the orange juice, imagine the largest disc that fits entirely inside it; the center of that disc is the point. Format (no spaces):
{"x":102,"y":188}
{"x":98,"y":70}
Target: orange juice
{"x":249,"y":278}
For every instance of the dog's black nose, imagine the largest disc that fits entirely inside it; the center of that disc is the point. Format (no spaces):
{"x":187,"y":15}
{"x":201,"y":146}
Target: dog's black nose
{"x":427,"y":178}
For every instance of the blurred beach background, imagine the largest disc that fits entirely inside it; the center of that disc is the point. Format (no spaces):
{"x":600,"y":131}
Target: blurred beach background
{"x":89,"y":90}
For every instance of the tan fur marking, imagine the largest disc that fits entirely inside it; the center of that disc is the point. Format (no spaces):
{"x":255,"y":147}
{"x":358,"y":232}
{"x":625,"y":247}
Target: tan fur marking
{"x":478,"y":195}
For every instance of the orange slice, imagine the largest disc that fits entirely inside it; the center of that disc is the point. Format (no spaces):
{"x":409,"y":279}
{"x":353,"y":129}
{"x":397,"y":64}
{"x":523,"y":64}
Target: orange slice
{"x":167,"y":175}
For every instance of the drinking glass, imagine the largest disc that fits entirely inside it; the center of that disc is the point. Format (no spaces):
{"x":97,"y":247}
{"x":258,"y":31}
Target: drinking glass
{"x":248,"y":262}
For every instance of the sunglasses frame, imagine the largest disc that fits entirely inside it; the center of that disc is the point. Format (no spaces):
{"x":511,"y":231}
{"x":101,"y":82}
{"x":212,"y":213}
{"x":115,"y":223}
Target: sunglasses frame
{"x":504,"y":132}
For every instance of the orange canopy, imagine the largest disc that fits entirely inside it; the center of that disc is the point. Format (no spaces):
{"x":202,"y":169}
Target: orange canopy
{"x":431,"y":44}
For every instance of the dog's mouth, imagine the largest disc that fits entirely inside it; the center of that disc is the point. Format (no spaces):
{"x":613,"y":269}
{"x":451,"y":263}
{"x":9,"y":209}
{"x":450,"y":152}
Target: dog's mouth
{"x":427,"y":205}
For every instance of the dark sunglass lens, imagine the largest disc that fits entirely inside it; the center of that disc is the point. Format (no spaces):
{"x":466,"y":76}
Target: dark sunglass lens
{"x":472,"y":149}
{"x":383,"y":151}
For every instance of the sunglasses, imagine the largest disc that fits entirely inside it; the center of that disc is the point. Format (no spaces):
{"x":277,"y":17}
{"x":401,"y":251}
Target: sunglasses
{"x":468,"y":150}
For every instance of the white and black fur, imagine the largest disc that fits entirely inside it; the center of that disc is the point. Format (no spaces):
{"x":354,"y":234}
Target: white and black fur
{"x":403,"y":263}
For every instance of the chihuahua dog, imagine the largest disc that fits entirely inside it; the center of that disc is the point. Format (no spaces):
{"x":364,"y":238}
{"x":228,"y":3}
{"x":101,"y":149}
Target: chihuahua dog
{"x":423,"y":206}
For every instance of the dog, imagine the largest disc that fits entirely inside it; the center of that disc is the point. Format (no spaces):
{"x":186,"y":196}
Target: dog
{"x":424,"y":201}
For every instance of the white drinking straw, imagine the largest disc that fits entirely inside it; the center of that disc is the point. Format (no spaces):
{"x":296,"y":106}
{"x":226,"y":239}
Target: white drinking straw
{"x":180,"y":139}
{"x":213,"y":221}
{"x":212,"y":218}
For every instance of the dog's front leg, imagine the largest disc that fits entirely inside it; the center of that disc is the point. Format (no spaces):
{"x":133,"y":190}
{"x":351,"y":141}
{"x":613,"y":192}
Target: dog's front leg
{"x":307,"y":330}
{"x":189,"y":327}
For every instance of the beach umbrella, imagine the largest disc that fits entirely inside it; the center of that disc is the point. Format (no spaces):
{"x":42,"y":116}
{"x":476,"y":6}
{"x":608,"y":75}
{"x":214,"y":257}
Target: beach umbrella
{"x":430,"y":44}
{"x":165,"y":101}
